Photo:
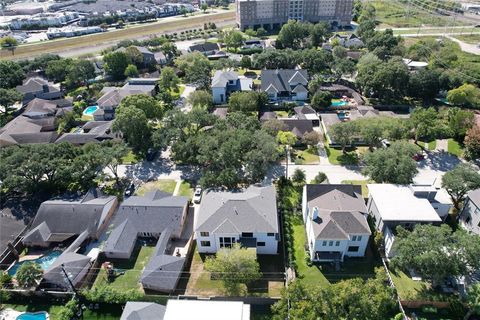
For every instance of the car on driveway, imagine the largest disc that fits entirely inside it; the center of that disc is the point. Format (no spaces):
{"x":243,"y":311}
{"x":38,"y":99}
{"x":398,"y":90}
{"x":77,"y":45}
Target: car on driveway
{"x":197,"y":196}
{"x":130,"y":190}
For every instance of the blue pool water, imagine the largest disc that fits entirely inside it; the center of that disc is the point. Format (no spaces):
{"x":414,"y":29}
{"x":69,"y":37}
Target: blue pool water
{"x":339,"y":103}
{"x":90,"y":110}
{"x":44,"y":261}
{"x":33,"y":316}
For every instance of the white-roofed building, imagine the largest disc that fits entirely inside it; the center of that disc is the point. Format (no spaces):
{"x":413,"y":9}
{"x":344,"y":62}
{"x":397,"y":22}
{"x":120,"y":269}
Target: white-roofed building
{"x":206,"y":310}
{"x":393,"y":205}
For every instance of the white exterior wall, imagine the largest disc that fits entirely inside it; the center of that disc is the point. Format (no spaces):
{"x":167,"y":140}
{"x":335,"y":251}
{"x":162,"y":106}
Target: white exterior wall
{"x":362,"y":244}
{"x":342,"y":247}
{"x":304,"y":204}
{"x":389,"y":239}
{"x":470,"y":217}
{"x":216,"y":93}
{"x":373,"y":211}
{"x":442,"y":209}
{"x":301,"y":96}
{"x":271,"y":242}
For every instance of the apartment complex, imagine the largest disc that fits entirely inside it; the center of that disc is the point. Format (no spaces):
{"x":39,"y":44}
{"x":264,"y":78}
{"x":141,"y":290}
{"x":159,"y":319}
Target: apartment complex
{"x":272,"y":14}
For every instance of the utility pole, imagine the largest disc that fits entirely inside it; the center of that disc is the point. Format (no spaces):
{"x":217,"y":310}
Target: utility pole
{"x":68,"y":279}
{"x":286,"y":159}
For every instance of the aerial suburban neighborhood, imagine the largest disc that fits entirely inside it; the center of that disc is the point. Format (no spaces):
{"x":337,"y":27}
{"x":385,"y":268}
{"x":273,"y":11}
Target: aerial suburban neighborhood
{"x":240,"y":159}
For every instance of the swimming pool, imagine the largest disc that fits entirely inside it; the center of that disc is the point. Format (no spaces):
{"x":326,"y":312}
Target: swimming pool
{"x":42,"y":315}
{"x":44,"y":261}
{"x":339,"y":103}
{"x":90,"y":110}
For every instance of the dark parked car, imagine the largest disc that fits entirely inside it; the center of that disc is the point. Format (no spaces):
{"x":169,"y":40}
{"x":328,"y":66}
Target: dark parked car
{"x":151,"y":153}
{"x":130,"y":190}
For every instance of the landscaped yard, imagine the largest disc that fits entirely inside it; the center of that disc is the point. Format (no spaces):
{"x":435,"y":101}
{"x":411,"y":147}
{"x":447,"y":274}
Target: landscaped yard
{"x":429,"y":145}
{"x":469,"y":38}
{"x":130,"y":158}
{"x":185,"y":190}
{"x":362,"y":183}
{"x":133,"y":269}
{"x":165,"y":185}
{"x":455,"y":148}
{"x":201,"y":284}
{"x":336,"y":156}
{"x":106,"y":312}
{"x":307,"y":156}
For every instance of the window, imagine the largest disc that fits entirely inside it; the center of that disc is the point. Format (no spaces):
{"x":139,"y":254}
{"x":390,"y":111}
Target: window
{"x":204,"y":234}
{"x":359,"y":238}
{"x":337,"y":243}
{"x":467,"y":221}
{"x":324,"y":243}
{"x":226,"y":242}
{"x":330,"y":243}
{"x":261,"y":244}
{"x":354,"y":238}
{"x":271,"y":234}
{"x":247,"y":235}
{"x":205,"y":243}
{"x":353,"y":249}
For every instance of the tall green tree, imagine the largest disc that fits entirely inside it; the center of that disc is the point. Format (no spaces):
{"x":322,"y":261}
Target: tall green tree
{"x":168,"y":80}
{"x":11,"y":74}
{"x":57,"y":70}
{"x":9,"y":43}
{"x":152,"y":108}
{"x":459,"y":181}
{"x":459,"y":122}
{"x":196,"y":68}
{"x":233,"y":39}
{"x":201,"y":99}
{"x":344,"y":134}
{"x":424,"y":123}
{"x":321,"y":100}
{"x":29,"y":275}
{"x":392,"y":165}
{"x":473,"y":301}
{"x":131,"y":71}
{"x":80,"y":72}
{"x":294,"y":34}
{"x":319,"y":33}
{"x":234,"y":266}
{"x":115,"y":64}
{"x":113,"y":157}
{"x":246,"y":101}
{"x":134,"y":56}
{"x":7,"y":98}
{"x":133,"y":124}
{"x":465,"y":95}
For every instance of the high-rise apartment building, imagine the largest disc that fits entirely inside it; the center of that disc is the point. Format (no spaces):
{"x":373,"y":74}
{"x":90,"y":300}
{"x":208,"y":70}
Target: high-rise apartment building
{"x":272,"y":14}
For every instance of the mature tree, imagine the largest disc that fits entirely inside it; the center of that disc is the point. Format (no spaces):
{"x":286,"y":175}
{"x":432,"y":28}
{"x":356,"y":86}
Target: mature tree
{"x":9,"y":43}
{"x":274,"y":126}
{"x":233,"y":39}
{"x":424,"y":123}
{"x":473,"y":301}
{"x":321,"y":100}
{"x":441,"y":253}
{"x":196,"y":67}
{"x":459,"y":122}
{"x":299,"y":176}
{"x":319,"y":33}
{"x":11,"y":74}
{"x":204,"y":7}
{"x":7,"y":98}
{"x":152,"y":108}
{"x":459,"y":181}
{"x":246,"y":62}
{"x":170,"y":50}
{"x":57,"y":70}
{"x":115,"y":64}
{"x":250,"y":33}
{"x":367,"y":22}
{"x":246,"y":101}
{"x":319,"y":178}
{"x":201,"y":99}
{"x":465,"y":95}
{"x":342,"y":67}
{"x":344,"y":134}
{"x":472,"y":143}
{"x":424,"y":84}
{"x":234,"y":266}
{"x":183,"y":11}
{"x":384,"y":44}
{"x":131,"y":71}
{"x":286,"y":138}
{"x":79,"y":72}
{"x":113,"y":158}
{"x":316,"y":61}
{"x":348,"y":299}
{"x":168,"y":80}
{"x":29,"y":275}
{"x":294,"y":34}
{"x":372,"y":131}
{"x":261,"y":32}
{"x":69,"y":311}
{"x":312,"y":138}
{"x":133,"y":124}
{"x":393,"y":164}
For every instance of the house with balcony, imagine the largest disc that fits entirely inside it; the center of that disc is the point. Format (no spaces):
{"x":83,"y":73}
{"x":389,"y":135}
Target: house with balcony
{"x":335,"y":218}
{"x":247,"y":216}
{"x":225,"y":83}
{"x":469,"y":217}
{"x":392,"y":205}
{"x":285,"y":84}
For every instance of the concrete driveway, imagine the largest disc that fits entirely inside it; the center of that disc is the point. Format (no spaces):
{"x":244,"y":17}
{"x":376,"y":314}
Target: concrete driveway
{"x":189,"y":89}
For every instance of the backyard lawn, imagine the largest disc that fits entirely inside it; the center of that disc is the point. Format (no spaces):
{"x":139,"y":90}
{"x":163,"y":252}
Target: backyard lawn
{"x":429,"y":145}
{"x":130,"y":158}
{"x":185,"y":190}
{"x":165,"y":185}
{"x":454,"y":148}
{"x":307,"y":156}
{"x":362,"y":183}
{"x":133,"y":269}
{"x":336,"y":156}
{"x":409,"y":289}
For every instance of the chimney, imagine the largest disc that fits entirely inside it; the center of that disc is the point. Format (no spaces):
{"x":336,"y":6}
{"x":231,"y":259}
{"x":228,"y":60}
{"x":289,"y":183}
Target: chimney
{"x":315,"y":213}
{"x":45,"y":88}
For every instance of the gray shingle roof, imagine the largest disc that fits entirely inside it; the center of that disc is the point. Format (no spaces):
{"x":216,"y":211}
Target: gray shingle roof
{"x":74,"y":264}
{"x":474,"y":196}
{"x":204,"y":47}
{"x":251,"y":210}
{"x":221,"y":78}
{"x":36,"y":84}
{"x":280,"y":79}
{"x":143,"y":311}
{"x":92,"y":131}
{"x":298,"y":126}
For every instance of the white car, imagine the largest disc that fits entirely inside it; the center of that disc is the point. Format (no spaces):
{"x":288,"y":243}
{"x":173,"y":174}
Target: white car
{"x":197,"y":196}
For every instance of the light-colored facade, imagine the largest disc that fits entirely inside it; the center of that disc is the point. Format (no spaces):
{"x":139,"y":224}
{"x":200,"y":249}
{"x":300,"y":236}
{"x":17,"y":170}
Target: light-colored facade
{"x":272,"y":14}
{"x":470,"y":216}
{"x":265,"y":243}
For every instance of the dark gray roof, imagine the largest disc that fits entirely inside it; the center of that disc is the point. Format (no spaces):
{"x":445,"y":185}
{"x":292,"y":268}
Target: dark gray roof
{"x":251,"y":210}
{"x":474,"y":196}
{"x":267,"y":115}
{"x":282,"y":79}
{"x":304,"y":110}
{"x":341,"y":210}
{"x":221,"y":78}
{"x":143,"y":311}
{"x":65,"y":218}
{"x":298,"y":126}
{"x":92,"y":131}
{"x":204,"y":47}
{"x":36,"y":84}
{"x":163,"y":270}
{"x":74,"y":265}
{"x":151,"y":213}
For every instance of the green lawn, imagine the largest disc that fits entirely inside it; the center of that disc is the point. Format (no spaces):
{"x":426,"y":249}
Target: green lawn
{"x":469,"y":38}
{"x":307,"y":156}
{"x":336,"y":156}
{"x":362,"y":183}
{"x":105,"y":313}
{"x":133,"y":269}
{"x":455,"y":148}
{"x":130,"y":158}
{"x":165,"y":185}
{"x":185,"y":190}
{"x":428,"y":145}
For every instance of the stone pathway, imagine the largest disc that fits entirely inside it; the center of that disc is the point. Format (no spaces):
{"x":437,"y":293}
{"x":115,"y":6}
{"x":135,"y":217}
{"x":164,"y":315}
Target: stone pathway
{"x":442,"y":145}
{"x":177,"y":187}
{"x":322,"y":153}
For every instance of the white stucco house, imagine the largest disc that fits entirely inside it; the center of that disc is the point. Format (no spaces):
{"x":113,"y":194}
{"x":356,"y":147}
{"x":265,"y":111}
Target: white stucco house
{"x":247,"y":216}
{"x":225,"y":83}
{"x":285,"y":84}
{"x":393,"y":205}
{"x":469,"y":217}
{"x":335,"y":220}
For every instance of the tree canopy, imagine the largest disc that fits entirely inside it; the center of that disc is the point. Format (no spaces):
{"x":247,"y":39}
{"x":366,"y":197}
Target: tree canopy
{"x":115,"y":64}
{"x":196,"y":68}
{"x":29,"y":274}
{"x":247,"y":101}
{"x":11,"y":74}
{"x":459,"y":181}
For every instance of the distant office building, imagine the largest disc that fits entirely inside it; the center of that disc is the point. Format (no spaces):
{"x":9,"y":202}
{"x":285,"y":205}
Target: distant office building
{"x":272,"y":14}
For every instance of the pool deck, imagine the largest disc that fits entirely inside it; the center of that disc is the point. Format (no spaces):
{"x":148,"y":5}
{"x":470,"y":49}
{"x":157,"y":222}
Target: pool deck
{"x":9,"y":314}
{"x":30,"y":257}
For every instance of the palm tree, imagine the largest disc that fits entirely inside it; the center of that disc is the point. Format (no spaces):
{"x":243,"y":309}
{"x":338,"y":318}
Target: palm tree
{"x":29,"y":274}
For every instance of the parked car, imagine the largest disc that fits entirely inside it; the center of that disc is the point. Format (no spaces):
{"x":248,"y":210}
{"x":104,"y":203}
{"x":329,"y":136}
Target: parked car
{"x":418,"y":157}
{"x":151,"y":153}
{"x":197,"y":196}
{"x":130,"y":190}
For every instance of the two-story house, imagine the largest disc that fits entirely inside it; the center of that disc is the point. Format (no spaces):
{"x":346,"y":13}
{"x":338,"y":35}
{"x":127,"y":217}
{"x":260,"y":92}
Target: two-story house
{"x":285,"y":84}
{"x":470,"y":216}
{"x":225,"y":83}
{"x":247,"y":216}
{"x":335,"y":220}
